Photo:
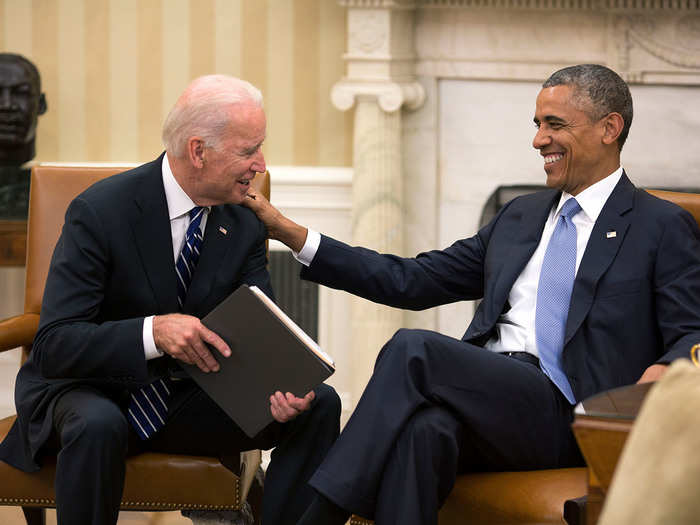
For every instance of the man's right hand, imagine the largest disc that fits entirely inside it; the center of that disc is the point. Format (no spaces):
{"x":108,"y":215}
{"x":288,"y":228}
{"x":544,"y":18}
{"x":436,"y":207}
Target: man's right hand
{"x":184,"y":338}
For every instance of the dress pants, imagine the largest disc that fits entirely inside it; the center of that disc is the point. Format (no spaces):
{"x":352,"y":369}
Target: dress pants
{"x":94,"y":438}
{"x":434,"y":407}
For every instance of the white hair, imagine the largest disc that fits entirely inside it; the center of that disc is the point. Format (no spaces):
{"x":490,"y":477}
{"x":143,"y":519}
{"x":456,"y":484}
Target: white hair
{"x":200,"y":111}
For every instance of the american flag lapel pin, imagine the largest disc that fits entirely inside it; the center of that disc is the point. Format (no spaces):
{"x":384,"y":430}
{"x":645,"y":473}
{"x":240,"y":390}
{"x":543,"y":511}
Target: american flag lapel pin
{"x":611,"y":234}
{"x":223,"y":230}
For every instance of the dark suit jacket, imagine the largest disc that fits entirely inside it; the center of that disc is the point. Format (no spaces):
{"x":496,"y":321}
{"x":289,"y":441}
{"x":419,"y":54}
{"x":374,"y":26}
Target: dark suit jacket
{"x":113,"y":266}
{"x":636,"y":298}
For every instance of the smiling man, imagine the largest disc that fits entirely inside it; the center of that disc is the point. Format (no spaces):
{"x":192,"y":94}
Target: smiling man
{"x":142,"y":257}
{"x":590,"y":285}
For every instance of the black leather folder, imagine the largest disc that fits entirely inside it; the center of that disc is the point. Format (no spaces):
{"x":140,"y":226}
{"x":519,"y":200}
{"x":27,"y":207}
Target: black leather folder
{"x":269,"y":352}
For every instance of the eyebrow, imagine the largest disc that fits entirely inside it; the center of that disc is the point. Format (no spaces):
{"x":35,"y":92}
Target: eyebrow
{"x":550,"y":119}
{"x":254,"y":148}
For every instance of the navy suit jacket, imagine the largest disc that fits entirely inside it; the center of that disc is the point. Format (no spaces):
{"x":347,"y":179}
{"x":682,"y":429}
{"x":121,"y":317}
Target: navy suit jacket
{"x":635,"y":301}
{"x":113,"y":266}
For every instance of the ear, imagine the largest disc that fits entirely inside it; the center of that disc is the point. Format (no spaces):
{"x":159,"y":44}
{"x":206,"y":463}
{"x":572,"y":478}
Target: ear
{"x":612,"y":127}
{"x":195,"y":151}
{"x":42,"y":105}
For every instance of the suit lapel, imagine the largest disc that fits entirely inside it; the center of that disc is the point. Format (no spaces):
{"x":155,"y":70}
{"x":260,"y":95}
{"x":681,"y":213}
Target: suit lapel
{"x":600,"y":252}
{"x":523,"y":244}
{"x":150,"y":225}
{"x":217,"y":241}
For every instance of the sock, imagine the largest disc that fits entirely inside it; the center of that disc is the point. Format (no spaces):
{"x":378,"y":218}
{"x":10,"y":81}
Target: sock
{"x":323,"y":511}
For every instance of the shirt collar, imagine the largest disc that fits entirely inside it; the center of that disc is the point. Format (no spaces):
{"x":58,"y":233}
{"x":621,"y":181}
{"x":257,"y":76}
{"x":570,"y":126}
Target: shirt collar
{"x":593,"y":198}
{"x":179,"y":203}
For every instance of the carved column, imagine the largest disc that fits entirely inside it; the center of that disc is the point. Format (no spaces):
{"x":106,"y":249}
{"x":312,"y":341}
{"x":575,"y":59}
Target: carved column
{"x":379,"y":82}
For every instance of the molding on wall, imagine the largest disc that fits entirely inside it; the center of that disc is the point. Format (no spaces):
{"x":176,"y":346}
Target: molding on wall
{"x":313,"y":196}
{"x":673,"y":40}
{"x":644,"y":47}
{"x":570,"y":5}
{"x":380,"y":56}
{"x":381,"y":4}
{"x":390,"y":96}
{"x":311,"y":190}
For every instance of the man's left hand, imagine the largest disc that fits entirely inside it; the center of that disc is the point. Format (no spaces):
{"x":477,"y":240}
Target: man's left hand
{"x":653,"y":373}
{"x":286,"y":407}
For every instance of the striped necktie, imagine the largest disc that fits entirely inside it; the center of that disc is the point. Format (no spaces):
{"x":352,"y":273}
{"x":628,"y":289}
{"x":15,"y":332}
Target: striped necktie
{"x":149,"y":405}
{"x":554,"y":295}
{"x":189,"y":255}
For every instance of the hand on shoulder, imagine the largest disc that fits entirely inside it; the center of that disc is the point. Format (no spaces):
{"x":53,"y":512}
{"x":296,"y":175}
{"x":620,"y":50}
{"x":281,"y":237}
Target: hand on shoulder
{"x":278,"y":226}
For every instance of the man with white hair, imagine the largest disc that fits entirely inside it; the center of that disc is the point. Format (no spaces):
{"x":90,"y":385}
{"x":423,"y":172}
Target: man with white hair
{"x":142,"y":257}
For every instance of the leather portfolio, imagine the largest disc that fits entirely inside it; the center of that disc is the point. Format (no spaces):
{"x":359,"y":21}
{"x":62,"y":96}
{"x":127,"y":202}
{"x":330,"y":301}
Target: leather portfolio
{"x":269,"y":352}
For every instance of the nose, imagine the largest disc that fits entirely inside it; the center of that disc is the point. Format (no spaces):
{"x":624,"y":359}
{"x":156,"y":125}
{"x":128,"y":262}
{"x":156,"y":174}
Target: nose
{"x":5,"y":99}
{"x":259,"y":162}
{"x":542,"y":138}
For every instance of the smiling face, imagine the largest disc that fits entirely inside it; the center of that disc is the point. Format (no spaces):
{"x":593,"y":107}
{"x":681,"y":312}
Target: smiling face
{"x":575,"y":151}
{"x":20,"y":101}
{"x":227,"y":169}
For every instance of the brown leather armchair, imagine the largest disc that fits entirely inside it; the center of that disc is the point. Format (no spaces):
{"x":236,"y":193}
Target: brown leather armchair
{"x":154,"y":482}
{"x":532,"y":497}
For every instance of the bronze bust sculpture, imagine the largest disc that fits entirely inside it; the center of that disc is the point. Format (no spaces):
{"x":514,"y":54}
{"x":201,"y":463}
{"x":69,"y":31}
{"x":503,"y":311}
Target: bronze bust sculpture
{"x":21,"y":103}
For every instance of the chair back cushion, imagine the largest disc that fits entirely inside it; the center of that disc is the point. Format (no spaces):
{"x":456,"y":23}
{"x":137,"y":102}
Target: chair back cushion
{"x":688,"y":201}
{"x":51,"y":191}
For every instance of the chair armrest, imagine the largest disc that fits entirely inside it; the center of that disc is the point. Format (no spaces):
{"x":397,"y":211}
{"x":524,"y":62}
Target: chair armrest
{"x":18,"y":331}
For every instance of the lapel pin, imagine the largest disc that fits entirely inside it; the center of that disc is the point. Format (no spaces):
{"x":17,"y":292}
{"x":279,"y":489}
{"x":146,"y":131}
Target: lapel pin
{"x":223,"y":230}
{"x":611,"y":234}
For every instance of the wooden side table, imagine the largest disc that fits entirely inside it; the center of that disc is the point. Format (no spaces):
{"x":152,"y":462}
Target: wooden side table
{"x":601,"y":427}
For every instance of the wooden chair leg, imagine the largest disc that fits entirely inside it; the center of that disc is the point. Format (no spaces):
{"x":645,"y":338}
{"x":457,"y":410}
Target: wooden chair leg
{"x":34,"y":515}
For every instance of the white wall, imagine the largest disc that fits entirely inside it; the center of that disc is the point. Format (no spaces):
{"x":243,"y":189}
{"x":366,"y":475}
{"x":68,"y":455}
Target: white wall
{"x":662,"y":147}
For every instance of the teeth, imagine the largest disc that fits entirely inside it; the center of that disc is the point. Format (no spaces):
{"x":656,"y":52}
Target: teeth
{"x":548,"y":159}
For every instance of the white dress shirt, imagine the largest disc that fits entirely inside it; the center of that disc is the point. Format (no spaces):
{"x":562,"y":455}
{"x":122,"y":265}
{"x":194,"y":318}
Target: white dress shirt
{"x":515,"y":330}
{"x":179,"y":206}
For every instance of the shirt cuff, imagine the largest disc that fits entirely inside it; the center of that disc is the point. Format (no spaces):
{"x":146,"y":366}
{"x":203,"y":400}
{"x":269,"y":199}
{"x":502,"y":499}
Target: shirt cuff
{"x":308,"y":252}
{"x":149,"y":344}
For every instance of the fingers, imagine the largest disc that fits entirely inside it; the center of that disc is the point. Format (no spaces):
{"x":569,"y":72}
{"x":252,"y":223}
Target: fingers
{"x":201,"y":356}
{"x":300,"y":404}
{"x":214,"y":340}
{"x":251,"y":194}
{"x":184,"y":337}
{"x":285,"y":407}
{"x":255,"y":200}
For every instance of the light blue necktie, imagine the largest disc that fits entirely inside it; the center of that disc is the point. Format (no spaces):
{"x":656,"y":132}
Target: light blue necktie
{"x":149,"y":405}
{"x":554,"y":295}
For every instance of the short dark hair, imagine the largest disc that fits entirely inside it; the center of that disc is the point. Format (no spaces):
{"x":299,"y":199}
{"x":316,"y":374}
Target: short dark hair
{"x":598,"y":90}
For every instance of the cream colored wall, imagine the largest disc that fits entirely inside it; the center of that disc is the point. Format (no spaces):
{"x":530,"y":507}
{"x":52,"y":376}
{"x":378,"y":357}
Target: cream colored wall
{"x":111,"y":69}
